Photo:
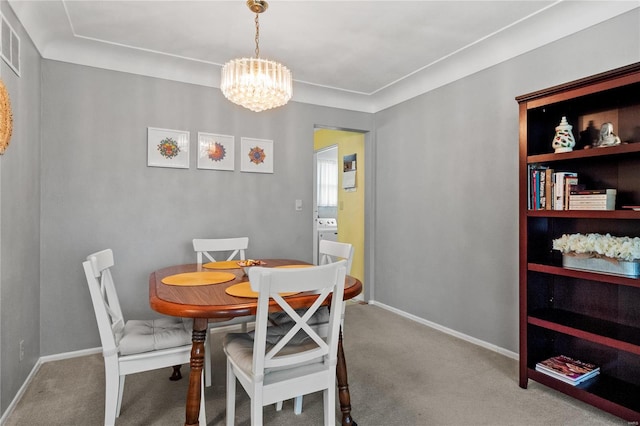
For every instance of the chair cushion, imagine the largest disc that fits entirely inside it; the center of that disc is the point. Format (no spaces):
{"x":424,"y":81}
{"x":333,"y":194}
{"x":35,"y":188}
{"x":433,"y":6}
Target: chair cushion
{"x":149,"y":335}
{"x":239,"y":347}
{"x":321,"y":316}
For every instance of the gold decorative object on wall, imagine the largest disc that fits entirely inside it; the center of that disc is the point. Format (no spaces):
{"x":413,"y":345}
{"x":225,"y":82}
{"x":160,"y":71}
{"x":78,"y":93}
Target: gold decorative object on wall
{"x":6,"y":118}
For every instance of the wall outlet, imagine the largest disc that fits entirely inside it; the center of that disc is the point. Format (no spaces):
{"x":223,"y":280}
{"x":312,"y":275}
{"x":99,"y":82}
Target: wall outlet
{"x":21,"y":350}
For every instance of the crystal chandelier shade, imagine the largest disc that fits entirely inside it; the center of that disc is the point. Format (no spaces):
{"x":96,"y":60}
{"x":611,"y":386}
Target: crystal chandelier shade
{"x":255,"y":83}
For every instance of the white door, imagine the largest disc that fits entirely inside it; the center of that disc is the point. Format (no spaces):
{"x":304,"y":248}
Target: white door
{"x":323,"y":189}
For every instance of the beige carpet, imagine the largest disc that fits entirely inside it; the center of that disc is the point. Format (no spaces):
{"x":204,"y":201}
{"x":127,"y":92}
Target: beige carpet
{"x":400,"y":373}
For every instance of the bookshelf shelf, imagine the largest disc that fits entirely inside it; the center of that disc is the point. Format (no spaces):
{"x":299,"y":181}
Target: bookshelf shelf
{"x":625,"y":149}
{"x":559,"y":271}
{"x":602,"y":390}
{"x":607,"y":333}
{"x":592,"y":317}
{"x":586,"y":214}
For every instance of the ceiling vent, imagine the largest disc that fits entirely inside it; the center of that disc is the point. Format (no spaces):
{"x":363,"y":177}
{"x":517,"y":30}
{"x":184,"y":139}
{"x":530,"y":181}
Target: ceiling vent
{"x":10,"y":45}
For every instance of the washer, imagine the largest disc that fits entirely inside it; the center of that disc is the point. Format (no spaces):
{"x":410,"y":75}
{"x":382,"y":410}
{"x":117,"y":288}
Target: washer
{"x":327,"y":230}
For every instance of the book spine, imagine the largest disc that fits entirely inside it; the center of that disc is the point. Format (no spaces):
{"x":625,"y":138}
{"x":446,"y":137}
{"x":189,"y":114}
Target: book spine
{"x":592,"y":208}
{"x":592,"y":202}
{"x":536,"y":193}
{"x":549,"y":189}
{"x":569,"y":181}
{"x":558,"y":184}
{"x":543,"y":190}
{"x":560,"y":201}
{"x":592,"y":197}
{"x":594,"y":192}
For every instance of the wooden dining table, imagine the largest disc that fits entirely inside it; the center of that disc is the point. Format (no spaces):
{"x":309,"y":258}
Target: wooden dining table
{"x":206,"y":303}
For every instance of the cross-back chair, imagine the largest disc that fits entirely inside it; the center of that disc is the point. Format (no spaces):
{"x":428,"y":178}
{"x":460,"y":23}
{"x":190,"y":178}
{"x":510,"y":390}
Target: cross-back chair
{"x":214,"y":250}
{"x":329,"y":252}
{"x":131,"y":346}
{"x":273,"y":368}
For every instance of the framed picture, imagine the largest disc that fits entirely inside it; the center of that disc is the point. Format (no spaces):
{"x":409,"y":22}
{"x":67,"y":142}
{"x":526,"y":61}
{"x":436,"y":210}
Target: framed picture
{"x":167,"y":148}
{"x":256,"y":155}
{"x":216,"y":152}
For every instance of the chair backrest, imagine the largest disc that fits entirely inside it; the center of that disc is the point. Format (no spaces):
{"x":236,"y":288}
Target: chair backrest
{"x":332,"y":251}
{"x":323,"y":280}
{"x":206,"y":246}
{"x":105,"y":299}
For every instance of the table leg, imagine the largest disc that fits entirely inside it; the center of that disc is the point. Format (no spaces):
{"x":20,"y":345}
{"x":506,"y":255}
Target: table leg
{"x":200,"y":326}
{"x":343,"y":386}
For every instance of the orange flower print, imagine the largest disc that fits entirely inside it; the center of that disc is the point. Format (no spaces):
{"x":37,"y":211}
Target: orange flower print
{"x":216,"y":152}
{"x":257,"y":155}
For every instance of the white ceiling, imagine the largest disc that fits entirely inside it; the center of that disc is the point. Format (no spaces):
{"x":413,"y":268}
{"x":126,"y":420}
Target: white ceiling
{"x":362,"y":55}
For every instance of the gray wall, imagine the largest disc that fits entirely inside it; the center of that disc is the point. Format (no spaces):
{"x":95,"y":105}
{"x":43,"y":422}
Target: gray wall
{"x":447,"y":185}
{"x":20,"y":222}
{"x":76,"y":181}
{"x":98,"y":192}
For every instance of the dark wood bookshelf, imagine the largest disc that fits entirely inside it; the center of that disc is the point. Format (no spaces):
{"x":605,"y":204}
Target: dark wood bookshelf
{"x":586,"y":214}
{"x":608,"y":333}
{"x":585,"y":275}
{"x":590,"y":316}
{"x":610,"y":394}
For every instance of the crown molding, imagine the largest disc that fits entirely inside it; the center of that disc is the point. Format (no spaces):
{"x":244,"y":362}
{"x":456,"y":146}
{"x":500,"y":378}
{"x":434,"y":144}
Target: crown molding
{"x":532,"y":32}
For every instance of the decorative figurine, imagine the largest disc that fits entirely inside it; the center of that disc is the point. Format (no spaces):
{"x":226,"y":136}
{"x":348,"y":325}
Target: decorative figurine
{"x":607,"y":137}
{"x":563,"y":141}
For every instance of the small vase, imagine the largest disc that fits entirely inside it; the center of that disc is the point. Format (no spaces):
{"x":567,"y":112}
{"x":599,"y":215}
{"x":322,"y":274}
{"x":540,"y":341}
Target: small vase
{"x":563,"y":140}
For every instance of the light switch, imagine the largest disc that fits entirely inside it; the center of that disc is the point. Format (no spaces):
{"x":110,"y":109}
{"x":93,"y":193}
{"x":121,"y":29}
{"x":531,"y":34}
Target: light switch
{"x":298,"y":205}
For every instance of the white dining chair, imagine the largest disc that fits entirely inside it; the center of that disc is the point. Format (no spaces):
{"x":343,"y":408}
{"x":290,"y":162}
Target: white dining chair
{"x":274,"y":366}
{"x":225,"y":249}
{"x":132,"y":346}
{"x":330,"y":252}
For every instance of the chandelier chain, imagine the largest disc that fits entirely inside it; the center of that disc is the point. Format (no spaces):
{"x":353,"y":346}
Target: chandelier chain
{"x":257,"y":36}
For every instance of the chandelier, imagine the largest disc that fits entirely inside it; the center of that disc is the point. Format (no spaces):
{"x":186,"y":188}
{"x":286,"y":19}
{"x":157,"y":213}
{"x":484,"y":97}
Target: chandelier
{"x":254,"y":83}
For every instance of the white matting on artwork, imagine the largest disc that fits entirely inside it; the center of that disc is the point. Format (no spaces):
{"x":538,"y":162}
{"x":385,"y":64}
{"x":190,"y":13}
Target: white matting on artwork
{"x":256,"y":155}
{"x":216,"y":152}
{"x":167,"y":148}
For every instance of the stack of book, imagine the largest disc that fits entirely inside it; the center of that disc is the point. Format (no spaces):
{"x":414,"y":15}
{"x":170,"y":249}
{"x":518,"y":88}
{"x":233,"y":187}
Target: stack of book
{"x":567,"y":369}
{"x":549,"y":189}
{"x":592,"y":199}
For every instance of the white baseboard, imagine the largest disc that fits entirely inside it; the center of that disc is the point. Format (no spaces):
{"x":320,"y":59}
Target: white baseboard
{"x":69,"y":355}
{"x":34,"y":370}
{"x":454,"y":333}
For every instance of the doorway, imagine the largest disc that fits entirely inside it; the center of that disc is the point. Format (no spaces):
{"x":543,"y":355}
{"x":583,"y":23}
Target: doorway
{"x":345,"y":200}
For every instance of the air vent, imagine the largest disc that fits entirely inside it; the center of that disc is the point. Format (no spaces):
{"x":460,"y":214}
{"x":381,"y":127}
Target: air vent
{"x":10,"y":44}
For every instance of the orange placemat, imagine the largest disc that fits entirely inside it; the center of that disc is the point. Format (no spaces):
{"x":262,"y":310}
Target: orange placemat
{"x":198,"y":278}
{"x":295,"y":266}
{"x":225,"y":264}
{"x":244,"y":290}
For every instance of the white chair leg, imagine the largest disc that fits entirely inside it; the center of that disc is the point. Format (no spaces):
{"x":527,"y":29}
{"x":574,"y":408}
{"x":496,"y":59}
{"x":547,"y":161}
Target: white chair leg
{"x":328,"y":402}
{"x":111,"y":393}
{"x":297,"y":405}
{"x":244,"y":327}
{"x":207,"y":359}
{"x":256,"y":411}
{"x":120,"y":392}
{"x":279,"y":406}
{"x":231,"y":396}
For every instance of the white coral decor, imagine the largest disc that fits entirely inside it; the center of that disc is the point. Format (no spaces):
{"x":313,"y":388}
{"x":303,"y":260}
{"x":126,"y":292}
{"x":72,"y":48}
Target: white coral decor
{"x":620,"y":248}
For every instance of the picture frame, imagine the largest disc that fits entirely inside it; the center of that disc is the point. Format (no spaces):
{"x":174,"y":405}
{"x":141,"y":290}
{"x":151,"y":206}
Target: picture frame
{"x":256,"y":155}
{"x":167,"y":148}
{"x":216,"y":152}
